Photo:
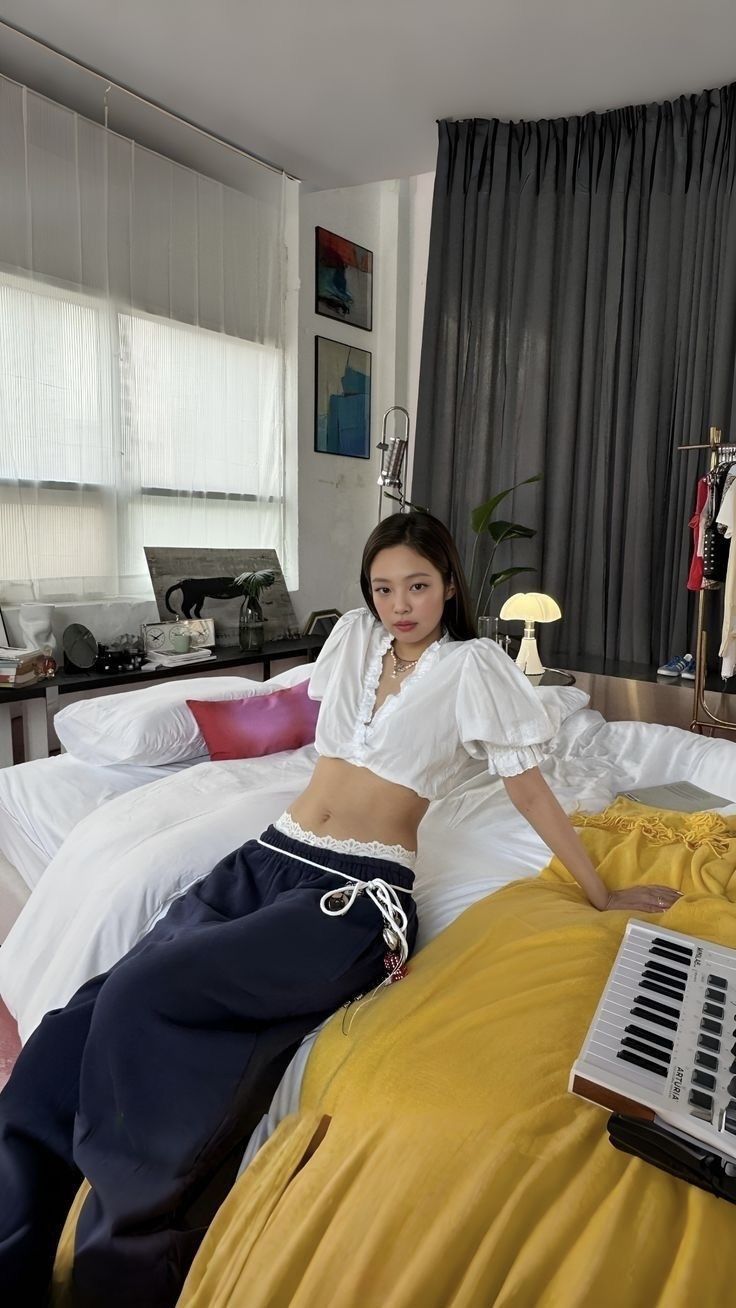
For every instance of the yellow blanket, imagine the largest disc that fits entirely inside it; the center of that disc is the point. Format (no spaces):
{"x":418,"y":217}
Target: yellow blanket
{"x":456,"y":1170}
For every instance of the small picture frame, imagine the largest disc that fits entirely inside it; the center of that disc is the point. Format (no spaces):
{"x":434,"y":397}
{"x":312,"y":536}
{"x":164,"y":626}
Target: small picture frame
{"x":342,"y":399}
{"x":4,"y":641}
{"x":343,"y":280}
{"x":321,"y":622}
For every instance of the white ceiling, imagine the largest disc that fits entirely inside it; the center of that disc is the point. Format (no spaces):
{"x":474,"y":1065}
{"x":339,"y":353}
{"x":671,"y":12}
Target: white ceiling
{"x":340,"y":92}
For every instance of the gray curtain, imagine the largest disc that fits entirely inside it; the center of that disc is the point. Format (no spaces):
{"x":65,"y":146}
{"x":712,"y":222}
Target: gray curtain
{"x":580,"y":322}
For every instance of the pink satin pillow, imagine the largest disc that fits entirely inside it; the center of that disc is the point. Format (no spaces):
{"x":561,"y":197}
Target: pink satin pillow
{"x":261,"y":724}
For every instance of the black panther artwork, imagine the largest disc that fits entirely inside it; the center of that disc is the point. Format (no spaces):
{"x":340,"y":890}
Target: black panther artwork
{"x":195,"y":590}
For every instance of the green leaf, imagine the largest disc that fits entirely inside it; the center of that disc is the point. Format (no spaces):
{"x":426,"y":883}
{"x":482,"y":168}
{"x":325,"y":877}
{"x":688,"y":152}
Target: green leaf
{"x":497,"y":578}
{"x":509,"y":531}
{"x":252,"y":583}
{"x":480,"y":516}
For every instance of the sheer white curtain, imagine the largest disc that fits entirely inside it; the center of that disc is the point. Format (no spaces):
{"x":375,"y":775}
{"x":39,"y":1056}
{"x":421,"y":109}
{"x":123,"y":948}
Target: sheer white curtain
{"x":143,"y":366}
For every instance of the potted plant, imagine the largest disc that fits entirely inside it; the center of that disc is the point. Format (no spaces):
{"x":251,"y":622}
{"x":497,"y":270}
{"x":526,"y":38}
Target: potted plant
{"x":250,"y":626}
{"x":484,"y":523}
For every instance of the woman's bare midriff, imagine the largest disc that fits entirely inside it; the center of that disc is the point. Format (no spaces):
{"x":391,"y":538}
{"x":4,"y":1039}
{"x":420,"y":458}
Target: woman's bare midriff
{"x":350,"y":802}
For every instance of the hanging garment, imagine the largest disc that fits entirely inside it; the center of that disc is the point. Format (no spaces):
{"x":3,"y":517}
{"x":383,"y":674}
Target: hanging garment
{"x":730,"y":476}
{"x":697,"y":525}
{"x":715,"y":548}
{"x":727,"y":521}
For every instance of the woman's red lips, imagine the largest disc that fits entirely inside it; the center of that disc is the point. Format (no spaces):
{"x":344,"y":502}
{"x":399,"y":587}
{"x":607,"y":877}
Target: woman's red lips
{"x":404,"y":626}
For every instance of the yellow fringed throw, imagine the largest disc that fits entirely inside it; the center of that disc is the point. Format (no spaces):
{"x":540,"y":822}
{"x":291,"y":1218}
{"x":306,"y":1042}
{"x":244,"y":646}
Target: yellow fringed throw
{"x":457,"y":1172}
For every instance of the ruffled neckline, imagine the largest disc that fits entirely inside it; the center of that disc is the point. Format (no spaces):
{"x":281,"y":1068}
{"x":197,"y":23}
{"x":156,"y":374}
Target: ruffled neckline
{"x":366,"y":717}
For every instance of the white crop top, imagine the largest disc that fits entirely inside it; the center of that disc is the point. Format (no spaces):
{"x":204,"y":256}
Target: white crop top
{"x":465,"y":707}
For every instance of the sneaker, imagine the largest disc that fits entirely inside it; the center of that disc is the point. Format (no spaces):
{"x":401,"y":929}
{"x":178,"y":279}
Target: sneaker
{"x":676,"y":667}
{"x":688,"y":673}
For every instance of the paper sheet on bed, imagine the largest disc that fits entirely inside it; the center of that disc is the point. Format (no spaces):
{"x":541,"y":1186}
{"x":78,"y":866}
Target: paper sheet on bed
{"x":682,"y":796}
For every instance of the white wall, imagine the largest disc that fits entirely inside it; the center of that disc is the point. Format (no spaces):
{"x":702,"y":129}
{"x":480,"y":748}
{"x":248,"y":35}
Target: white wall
{"x":338,"y":496}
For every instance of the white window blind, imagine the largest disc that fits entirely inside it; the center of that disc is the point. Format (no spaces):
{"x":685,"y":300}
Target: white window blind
{"x":146,"y":398}
{"x":121,"y":430}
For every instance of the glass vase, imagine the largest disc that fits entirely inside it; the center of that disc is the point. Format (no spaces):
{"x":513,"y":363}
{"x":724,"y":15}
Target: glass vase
{"x":250,"y":627}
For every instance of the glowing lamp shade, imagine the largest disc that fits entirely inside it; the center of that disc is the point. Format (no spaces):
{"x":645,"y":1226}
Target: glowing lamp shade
{"x":530,"y":608}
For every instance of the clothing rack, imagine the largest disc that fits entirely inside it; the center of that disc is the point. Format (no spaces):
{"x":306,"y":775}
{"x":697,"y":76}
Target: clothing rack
{"x":703,"y":720}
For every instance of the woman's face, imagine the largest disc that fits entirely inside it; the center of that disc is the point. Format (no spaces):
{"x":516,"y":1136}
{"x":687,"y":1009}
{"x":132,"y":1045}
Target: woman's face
{"x":409,"y":594}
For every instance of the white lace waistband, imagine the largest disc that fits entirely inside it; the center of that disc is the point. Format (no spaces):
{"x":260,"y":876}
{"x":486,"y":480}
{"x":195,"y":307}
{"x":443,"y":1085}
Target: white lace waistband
{"x":360,"y":848}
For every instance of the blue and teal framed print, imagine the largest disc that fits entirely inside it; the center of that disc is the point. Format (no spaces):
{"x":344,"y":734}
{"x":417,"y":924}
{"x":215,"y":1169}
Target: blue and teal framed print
{"x":342,"y":399}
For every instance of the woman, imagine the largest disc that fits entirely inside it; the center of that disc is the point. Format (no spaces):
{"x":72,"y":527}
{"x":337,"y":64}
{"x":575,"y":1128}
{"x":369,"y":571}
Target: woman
{"x":151,"y":1078}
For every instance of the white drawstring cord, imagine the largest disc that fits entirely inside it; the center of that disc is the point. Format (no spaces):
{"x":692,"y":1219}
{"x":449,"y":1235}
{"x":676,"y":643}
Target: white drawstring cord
{"x":380,"y":892}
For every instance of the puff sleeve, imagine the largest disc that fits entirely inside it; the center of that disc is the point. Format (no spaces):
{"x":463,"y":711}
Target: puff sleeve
{"x":499,"y":715}
{"x":332,"y":654}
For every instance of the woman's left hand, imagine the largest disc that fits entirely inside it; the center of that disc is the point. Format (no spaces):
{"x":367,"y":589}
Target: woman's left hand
{"x":645,"y":899}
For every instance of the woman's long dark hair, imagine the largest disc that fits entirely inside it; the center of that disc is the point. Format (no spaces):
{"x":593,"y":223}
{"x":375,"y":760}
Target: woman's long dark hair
{"x":430,"y":538}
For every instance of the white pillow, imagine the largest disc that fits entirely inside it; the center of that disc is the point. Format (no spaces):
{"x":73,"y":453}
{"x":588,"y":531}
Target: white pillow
{"x":291,"y":677}
{"x":153,"y":726}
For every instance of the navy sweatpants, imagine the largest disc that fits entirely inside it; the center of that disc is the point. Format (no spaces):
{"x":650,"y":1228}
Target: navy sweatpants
{"x":150,"y":1080}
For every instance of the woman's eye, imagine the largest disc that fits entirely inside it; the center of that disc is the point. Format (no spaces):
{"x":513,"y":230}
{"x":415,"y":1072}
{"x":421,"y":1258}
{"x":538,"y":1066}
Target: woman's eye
{"x":419,"y":585}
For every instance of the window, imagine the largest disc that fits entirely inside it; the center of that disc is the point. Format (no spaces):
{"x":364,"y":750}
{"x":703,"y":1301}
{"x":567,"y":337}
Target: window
{"x":120,"y":430}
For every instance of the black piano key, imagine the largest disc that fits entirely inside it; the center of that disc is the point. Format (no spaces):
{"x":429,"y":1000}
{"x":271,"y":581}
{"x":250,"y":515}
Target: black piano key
{"x":733,"y":1050}
{"x":718,"y":995}
{"x":665,"y":969}
{"x":707,"y":1060}
{"x":703,"y":1079}
{"x":630,"y":1057}
{"x":710,"y":1024}
{"x":662,"y":985}
{"x":652,"y":1036}
{"x":731,"y":1069}
{"x":710,"y":1043}
{"x":666,"y":1022}
{"x":729,"y":1117}
{"x":657,"y":1006}
{"x":702,"y":1104}
{"x":669,"y":977}
{"x":684,"y":951}
{"x":644,"y":1048}
{"x":657,"y":989}
{"x":714,"y":1010}
{"x":661,"y":953}
{"x":732,"y":1087}
{"x":717,"y":981}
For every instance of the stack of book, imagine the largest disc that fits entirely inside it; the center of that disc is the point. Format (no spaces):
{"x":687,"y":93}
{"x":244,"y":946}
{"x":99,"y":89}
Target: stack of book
{"x":20,"y":667}
{"x":177,"y":660}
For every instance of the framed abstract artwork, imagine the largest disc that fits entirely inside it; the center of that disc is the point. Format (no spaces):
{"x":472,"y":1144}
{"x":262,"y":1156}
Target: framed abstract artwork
{"x":344,"y":280}
{"x":342,"y":399}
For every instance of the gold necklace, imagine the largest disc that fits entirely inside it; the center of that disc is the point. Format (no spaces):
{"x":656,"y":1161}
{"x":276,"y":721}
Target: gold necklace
{"x":401,"y":665}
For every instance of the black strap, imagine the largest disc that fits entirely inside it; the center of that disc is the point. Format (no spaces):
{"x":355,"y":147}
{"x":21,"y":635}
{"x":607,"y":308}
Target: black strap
{"x":690,"y":1162}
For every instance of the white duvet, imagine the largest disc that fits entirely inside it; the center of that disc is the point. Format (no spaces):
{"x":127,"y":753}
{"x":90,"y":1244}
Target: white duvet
{"x":121,"y":866}
{"x":41,"y":801}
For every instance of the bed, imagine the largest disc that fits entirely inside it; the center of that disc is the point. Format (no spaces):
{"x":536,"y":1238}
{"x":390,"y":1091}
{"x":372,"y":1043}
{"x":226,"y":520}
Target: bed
{"x":43,"y":800}
{"x":122,"y":865}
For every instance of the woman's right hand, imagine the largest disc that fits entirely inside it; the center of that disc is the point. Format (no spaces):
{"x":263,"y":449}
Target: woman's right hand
{"x":642,"y":899}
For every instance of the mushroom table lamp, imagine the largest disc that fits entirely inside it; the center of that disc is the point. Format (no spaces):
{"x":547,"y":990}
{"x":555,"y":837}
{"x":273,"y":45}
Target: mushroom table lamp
{"x":530,"y":608}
